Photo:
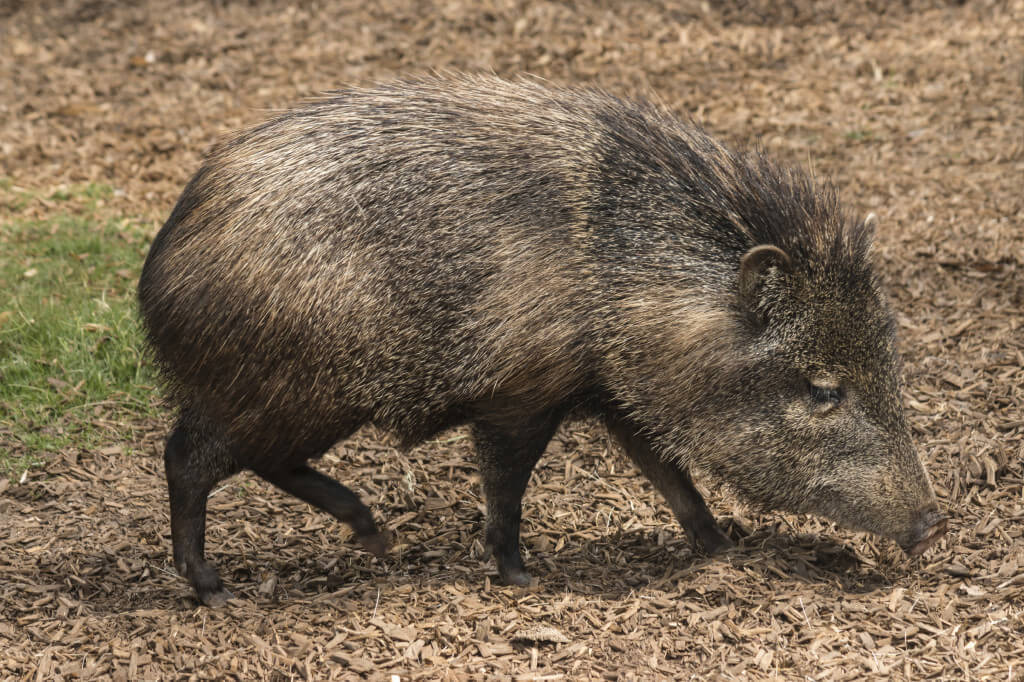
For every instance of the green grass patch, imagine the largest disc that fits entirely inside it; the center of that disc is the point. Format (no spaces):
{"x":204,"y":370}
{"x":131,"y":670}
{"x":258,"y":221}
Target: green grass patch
{"x":859,"y":135}
{"x":72,"y":368}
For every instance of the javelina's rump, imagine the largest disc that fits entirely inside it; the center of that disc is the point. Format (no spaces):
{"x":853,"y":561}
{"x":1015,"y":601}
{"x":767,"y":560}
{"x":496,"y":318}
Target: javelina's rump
{"x":470,"y":250}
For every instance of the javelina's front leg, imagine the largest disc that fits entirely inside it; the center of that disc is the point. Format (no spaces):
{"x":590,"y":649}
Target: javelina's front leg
{"x":195,"y":462}
{"x":506,"y":456}
{"x":676,"y":486}
{"x":324,"y":492}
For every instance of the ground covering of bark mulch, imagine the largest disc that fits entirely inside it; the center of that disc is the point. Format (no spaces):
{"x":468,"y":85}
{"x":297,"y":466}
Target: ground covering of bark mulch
{"x":914,"y":108}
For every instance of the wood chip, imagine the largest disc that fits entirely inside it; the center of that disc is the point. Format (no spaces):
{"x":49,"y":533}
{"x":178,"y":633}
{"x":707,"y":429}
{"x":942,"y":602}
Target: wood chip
{"x":540,"y":633}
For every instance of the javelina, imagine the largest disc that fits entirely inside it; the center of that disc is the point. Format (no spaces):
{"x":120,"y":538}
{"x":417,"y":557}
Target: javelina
{"x":458,"y":249}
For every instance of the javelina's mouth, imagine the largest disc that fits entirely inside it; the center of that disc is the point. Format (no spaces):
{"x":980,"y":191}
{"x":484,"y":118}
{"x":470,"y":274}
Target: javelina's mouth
{"x":935,"y":529}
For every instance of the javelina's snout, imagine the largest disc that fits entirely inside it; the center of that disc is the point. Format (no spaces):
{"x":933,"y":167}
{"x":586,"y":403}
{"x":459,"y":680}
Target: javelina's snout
{"x":928,"y":529}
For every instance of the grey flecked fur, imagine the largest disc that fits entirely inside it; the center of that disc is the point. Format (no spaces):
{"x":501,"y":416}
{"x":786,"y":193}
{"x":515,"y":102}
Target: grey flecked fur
{"x":465,"y":249}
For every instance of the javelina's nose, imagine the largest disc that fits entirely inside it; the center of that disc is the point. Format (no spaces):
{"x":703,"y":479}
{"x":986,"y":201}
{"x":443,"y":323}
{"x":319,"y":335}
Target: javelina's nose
{"x":930,"y":526}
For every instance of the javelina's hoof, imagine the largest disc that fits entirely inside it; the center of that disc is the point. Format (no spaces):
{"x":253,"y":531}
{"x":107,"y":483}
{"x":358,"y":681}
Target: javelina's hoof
{"x":215,"y":598}
{"x":515,"y":576}
{"x":713,"y":540}
{"x":207,"y":584}
{"x":376,"y":544}
{"x":717,"y":544}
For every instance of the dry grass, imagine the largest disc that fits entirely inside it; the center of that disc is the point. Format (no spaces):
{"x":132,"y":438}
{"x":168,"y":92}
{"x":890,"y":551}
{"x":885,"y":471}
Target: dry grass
{"x":915,"y":109}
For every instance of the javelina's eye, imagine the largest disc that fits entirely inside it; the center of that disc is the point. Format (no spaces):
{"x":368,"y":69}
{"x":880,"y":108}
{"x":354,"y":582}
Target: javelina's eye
{"x":825,"y":398}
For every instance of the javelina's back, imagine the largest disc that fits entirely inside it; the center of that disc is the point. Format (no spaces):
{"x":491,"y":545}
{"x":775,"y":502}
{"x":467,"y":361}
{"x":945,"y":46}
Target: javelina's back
{"x":467,"y":249}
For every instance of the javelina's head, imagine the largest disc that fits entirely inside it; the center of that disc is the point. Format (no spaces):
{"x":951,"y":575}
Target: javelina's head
{"x":821,"y":420}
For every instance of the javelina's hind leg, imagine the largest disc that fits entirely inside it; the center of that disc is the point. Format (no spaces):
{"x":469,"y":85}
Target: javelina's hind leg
{"x":195,"y":462}
{"x":506,"y":455}
{"x":324,"y":492}
{"x":676,"y":487}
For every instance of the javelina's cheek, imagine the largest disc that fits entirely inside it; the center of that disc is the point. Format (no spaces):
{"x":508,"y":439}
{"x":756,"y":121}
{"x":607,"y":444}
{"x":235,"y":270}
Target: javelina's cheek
{"x":798,"y":422}
{"x":796,"y":412}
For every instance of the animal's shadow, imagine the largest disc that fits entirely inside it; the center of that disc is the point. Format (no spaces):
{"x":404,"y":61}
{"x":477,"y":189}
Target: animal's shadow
{"x":611,"y":566}
{"x":766,"y":554}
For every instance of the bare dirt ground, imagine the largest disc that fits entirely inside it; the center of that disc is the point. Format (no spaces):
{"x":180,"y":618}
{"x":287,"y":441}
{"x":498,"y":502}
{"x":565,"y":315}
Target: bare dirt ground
{"x":916,"y":109}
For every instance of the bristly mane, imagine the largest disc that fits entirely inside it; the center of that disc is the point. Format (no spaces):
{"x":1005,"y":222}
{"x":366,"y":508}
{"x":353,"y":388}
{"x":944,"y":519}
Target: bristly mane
{"x":747,"y":197}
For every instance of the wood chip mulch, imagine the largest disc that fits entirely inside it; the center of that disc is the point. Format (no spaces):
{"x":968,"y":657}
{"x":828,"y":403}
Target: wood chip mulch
{"x":916,"y":109}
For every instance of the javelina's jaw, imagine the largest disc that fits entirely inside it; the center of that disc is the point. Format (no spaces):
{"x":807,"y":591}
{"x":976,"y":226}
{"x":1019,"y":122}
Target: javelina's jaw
{"x":933,"y":527}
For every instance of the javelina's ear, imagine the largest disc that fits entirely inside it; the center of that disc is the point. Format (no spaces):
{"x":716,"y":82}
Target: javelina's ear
{"x":753,"y":267}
